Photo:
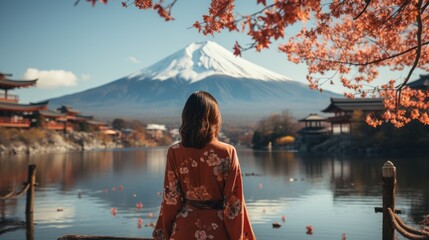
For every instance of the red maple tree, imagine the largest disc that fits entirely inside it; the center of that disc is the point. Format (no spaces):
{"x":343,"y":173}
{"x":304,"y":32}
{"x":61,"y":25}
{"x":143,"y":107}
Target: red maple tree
{"x":349,"y":41}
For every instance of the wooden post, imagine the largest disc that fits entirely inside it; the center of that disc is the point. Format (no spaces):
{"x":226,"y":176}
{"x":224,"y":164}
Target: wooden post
{"x":389,"y":187}
{"x":30,"y":192}
{"x":30,"y":226}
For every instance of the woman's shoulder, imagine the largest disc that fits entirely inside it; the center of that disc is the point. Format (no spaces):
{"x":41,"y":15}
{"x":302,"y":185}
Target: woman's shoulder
{"x":222,"y":145}
{"x":175,"y":145}
{"x":213,"y":145}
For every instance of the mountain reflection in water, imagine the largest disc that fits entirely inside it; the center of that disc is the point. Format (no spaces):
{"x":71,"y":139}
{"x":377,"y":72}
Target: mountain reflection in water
{"x":334,"y":194}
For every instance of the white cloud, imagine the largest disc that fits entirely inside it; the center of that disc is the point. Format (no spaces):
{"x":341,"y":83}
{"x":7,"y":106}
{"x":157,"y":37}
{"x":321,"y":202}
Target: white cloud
{"x":133,"y":59}
{"x":49,"y":79}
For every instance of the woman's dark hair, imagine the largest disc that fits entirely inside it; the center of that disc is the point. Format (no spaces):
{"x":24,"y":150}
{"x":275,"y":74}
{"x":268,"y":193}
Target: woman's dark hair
{"x":201,"y":120}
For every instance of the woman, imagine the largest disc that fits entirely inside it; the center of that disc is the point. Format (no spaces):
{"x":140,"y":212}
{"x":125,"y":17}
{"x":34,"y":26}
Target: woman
{"x":203,"y":191}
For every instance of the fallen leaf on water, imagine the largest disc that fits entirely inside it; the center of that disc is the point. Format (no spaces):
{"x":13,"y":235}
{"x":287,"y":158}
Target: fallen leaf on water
{"x":139,"y":205}
{"x":309,"y":230}
{"x":139,"y":223}
{"x":113,"y":211}
{"x":276,"y":225}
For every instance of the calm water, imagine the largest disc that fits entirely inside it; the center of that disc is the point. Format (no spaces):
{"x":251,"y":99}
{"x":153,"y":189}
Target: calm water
{"x":334,"y":195}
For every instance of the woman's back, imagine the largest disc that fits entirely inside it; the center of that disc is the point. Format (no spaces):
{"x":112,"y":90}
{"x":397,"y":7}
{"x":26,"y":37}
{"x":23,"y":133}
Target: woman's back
{"x":202,"y":172}
{"x":203,"y":196}
{"x":203,"y":190}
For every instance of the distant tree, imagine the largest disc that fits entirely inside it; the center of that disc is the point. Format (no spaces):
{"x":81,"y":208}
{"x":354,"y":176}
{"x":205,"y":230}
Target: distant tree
{"x":241,"y":135}
{"x":137,"y":125}
{"x":412,"y":138}
{"x":119,"y":123}
{"x":341,"y":42}
{"x":272,"y":128}
{"x":136,"y":137}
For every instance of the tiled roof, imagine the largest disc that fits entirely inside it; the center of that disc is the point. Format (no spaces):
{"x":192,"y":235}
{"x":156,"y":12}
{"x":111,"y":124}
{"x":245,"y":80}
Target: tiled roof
{"x":422,"y":82}
{"x":50,"y":113}
{"x":313,"y":117}
{"x":352,"y":104}
{"x":10,"y":106}
{"x":10,"y":84}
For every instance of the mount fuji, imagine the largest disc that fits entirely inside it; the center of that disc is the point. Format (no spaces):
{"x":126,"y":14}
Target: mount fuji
{"x":245,"y":91}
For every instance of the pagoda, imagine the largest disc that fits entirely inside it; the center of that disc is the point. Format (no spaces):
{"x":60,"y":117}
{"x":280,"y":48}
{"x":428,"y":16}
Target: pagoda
{"x":343,"y":108}
{"x":12,"y":113}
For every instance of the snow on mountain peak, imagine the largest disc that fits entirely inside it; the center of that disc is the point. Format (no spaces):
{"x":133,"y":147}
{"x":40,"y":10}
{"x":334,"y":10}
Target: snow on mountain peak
{"x":202,"y":59}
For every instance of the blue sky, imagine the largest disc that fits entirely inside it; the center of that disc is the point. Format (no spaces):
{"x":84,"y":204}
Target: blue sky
{"x":74,"y":48}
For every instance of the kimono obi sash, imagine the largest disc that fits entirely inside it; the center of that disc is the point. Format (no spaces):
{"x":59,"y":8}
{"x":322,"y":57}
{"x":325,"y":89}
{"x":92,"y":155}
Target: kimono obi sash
{"x":207,"y":205}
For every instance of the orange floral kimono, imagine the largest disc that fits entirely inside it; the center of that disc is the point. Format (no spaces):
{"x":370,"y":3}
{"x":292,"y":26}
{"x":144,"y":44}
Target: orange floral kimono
{"x":203,"y":195}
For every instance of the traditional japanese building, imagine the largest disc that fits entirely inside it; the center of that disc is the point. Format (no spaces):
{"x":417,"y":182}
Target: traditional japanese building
{"x":343,"y":109}
{"x":12,"y":113}
{"x":99,"y":126}
{"x":314,"y":124}
{"x":421,"y":83}
{"x":156,"y":131}
{"x":78,"y":121}
{"x":68,"y":119}
{"x":54,"y":120}
{"x":314,"y":132}
{"x":71,"y":113}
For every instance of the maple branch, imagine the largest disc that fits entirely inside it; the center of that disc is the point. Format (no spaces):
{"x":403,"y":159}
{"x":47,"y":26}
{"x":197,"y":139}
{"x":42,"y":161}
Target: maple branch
{"x":367,"y":2}
{"x":419,"y":46}
{"x":171,"y":5}
{"x":223,"y":8}
{"x":374,"y":61}
{"x":379,"y":45}
{"x":253,"y":15}
{"x":397,"y":12}
{"x":424,"y":7}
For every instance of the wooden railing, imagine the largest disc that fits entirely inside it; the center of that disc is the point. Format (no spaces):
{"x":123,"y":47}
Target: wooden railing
{"x":28,"y":188}
{"x":391,"y":221}
{"x":14,"y":122}
{"x":9,"y":97}
{"x":57,"y":126}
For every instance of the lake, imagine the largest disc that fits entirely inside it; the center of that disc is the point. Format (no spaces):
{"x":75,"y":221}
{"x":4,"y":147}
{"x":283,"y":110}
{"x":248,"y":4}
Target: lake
{"x":336,"y":195}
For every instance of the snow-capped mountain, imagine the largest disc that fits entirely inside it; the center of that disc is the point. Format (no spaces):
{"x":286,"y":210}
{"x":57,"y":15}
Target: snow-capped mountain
{"x":200,"y":60}
{"x":244,"y":90}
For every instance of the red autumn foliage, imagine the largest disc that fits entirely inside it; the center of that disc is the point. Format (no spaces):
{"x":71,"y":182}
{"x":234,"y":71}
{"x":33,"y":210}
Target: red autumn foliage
{"x":346,"y":42}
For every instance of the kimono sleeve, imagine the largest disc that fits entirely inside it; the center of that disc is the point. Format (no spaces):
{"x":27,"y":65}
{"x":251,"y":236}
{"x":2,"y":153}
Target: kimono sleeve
{"x":171,"y":201}
{"x":235,"y":213}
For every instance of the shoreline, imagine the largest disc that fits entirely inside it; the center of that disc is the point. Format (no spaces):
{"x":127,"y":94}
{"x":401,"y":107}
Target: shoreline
{"x":58,"y":142}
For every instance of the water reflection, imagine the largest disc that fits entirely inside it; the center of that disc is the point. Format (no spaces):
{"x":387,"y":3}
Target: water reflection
{"x":335,"y":194}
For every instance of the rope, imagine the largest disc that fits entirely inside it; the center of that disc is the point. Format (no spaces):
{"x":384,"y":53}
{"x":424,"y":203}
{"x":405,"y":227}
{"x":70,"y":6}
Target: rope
{"x":409,"y":229}
{"x":13,"y":195}
{"x":6,"y":196}
{"x":405,"y":230}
